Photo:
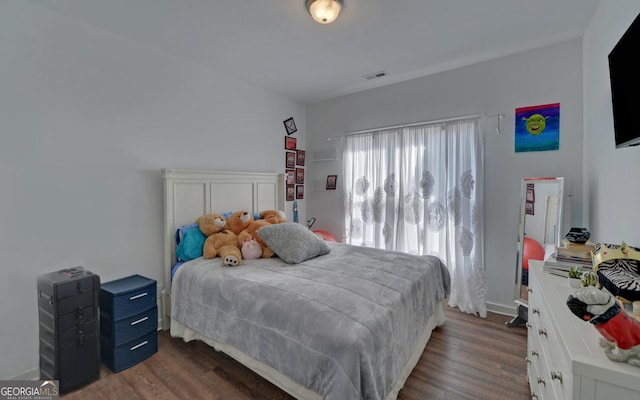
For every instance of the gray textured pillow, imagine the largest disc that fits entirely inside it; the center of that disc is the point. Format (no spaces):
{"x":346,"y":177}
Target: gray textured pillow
{"x":293,"y":242}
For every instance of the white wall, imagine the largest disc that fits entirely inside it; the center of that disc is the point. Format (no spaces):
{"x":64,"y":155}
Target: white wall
{"x":612,"y":176}
{"x":87,"y":121}
{"x":547,"y":75}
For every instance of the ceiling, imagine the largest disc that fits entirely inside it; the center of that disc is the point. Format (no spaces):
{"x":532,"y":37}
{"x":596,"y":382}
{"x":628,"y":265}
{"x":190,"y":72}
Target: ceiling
{"x":274,"y":44}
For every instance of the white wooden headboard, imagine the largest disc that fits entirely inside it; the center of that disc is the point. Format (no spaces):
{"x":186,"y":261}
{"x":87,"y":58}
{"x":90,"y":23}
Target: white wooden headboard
{"x":188,"y":194}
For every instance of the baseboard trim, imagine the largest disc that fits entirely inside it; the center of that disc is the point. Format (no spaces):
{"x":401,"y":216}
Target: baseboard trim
{"x":31,"y":375}
{"x":511,"y":311}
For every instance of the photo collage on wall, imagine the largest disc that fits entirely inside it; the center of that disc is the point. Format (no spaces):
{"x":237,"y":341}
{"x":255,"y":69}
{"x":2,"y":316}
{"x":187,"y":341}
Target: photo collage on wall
{"x":294,"y":163}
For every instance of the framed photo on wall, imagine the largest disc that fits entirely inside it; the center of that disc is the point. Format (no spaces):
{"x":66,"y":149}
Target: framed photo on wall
{"x":290,"y":176}
{"x":331,"y":182}
{"x":299,"y":191}
{"x":291,"y":192}
{"x":299,"y":176}
{"x":290,"y":126}
{"x":290,"y":143}
{"x":300,"y":157}
{"x":531,"y":195}
{"x":529,"y":208}
{"x":290,"y":159}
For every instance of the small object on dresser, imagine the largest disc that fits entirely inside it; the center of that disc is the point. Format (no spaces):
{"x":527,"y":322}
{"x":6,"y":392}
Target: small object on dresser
{"x":620,"y":333}
{"x":68,"y":314}
{"x":128,"y":321}
{"x":581,"y":251}
{"x":588,"y":278}
{"x":574,"y":275}
{"x":618,"y":268}
{"x":578,"y":235}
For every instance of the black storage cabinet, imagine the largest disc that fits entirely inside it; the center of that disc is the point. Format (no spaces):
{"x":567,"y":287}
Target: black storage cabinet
{"x":69,"y":327}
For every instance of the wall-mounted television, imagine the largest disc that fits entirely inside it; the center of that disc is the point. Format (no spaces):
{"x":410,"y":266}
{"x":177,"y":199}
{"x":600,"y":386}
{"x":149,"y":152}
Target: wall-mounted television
{"x":624,"y":74}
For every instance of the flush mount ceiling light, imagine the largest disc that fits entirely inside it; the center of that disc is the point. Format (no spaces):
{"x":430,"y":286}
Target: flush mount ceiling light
{"x":324,"y":11}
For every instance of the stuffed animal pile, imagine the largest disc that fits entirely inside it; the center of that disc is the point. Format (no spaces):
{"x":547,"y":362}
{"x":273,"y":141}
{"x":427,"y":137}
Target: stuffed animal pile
{"x":220,"y":240}
{"x":235,"y":238}
{"x":246,"y":227}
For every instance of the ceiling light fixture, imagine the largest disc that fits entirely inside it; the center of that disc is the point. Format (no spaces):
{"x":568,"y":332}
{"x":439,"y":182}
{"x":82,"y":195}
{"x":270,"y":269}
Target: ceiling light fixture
{"x":324,"y":11}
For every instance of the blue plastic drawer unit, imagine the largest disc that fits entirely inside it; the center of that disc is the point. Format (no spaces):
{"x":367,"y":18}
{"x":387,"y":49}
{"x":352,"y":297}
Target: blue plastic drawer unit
{"x":128,"y":321}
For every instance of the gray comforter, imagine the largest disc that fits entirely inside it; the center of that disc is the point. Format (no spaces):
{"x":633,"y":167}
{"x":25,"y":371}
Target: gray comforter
{"x":342,"y":324}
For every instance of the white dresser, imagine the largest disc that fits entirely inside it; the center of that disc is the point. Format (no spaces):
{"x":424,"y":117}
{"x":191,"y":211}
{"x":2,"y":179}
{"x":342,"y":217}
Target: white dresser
{"x":564,"y":358}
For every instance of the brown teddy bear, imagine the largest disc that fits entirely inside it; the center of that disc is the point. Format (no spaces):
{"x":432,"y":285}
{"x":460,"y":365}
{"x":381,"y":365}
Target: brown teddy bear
{"x":220,"y":240}
{"x":274,"y":216}
{"x":243,"y":224}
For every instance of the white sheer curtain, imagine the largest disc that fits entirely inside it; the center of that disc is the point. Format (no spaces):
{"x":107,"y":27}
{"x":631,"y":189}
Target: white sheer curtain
{"x":418,"y":189}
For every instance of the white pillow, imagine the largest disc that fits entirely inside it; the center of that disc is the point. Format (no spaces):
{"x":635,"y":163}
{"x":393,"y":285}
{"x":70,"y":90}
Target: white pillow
{"x":292,"y":242}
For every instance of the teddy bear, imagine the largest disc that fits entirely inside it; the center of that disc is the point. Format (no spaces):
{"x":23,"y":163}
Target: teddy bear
{"x":274,"y":216}
{"x":245,"y":226}
{"x":220,"y":240}
{"x":251,"y":250}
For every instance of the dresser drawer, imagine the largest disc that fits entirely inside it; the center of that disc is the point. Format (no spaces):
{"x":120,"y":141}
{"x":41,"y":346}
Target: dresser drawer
{"x":128,"y":354}
{"x":124,"y":330}
{"x":128,"y":296}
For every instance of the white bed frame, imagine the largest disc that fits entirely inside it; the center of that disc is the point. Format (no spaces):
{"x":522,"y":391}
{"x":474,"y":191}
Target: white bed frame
{"x":189,"y":194}
{"x":192,"y":193}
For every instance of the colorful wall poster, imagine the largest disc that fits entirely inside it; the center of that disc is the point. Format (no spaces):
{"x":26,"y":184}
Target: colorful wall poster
{"x":537,"y":128}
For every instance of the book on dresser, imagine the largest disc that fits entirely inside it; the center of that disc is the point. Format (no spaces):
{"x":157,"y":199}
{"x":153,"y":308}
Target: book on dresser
{"x":570,"y":255}
{"x":575,"y":252}
{"x":561,"y":267}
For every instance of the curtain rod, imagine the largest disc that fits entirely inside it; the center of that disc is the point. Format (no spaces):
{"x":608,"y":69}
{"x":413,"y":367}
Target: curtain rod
{"x":435,"y":121}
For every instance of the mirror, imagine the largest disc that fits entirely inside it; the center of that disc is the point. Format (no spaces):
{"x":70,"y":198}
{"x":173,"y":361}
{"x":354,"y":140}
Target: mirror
{"x":540,"y":226}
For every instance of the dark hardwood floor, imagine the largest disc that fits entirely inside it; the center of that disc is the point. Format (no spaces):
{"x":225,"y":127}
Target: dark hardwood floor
{"x":467,"y":358}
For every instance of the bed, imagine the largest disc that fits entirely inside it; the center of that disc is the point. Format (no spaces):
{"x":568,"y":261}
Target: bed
{"x":347,"y":324}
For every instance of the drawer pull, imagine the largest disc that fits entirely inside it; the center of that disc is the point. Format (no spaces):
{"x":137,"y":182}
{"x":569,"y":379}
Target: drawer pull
{"x":534,"y":395}
{"x":136,"y":297}
{"x":556,"y":375}
{"x":535,"y":353}
{"x":536,"y":311}
{"x":542,"y":332}
{"x":529,"y":290}
{"x":139,"y":345}
{"x":140,"y":320}
{"x":541,"y":381}
{"x":528,"y":324}
{"x":528,"y":360}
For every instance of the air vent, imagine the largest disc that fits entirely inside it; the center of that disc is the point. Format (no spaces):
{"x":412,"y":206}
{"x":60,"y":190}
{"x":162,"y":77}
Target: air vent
{"x":376,"y":75}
